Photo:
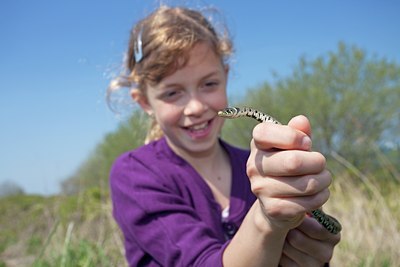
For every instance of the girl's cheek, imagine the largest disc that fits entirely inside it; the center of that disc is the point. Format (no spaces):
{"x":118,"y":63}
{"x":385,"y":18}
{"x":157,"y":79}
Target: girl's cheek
{"x":169,"y":115}
{"x":221,"y":101}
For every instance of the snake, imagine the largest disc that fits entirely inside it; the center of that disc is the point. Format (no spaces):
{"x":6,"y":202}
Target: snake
{"x":328,"y":222}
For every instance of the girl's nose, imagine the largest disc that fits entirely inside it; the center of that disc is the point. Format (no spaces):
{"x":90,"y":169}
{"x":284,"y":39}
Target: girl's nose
{"x":195,"y":107}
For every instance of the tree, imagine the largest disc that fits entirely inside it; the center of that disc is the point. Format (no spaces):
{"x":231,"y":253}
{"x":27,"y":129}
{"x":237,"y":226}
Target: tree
{"x":95,"y":170}
{"x":351,"y":99}
{"x":10,"y":188}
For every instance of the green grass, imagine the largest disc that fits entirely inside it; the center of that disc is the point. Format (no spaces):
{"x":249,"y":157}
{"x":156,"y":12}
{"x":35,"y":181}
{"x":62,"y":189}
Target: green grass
{"x":369,"y":212}
{"x":79,"y":230}
{"x":60,"y":231}
{"x":81,"y":253}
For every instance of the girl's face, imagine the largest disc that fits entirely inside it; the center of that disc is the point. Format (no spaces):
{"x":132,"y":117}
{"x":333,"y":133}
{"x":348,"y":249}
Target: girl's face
{"x":185,"y":103}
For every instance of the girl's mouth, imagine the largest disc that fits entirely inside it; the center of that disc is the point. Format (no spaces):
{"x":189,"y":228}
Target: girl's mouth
{"x":199,"y":130}
{"x":199,"y":127}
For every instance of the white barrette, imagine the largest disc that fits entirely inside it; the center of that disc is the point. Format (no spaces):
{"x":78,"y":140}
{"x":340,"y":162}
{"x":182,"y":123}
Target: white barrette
{"x":138,"y":48}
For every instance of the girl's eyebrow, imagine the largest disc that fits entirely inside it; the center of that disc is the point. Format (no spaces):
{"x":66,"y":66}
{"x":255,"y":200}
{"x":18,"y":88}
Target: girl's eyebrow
{"x":169,"y":85}
{"x":177,"y":84}
{"x":210,"y":74}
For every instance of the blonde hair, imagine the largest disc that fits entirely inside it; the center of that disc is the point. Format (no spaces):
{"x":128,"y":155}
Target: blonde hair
{"x":167,"y":35}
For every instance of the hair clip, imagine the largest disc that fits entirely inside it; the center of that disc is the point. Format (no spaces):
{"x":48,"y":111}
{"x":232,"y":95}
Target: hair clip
{"x":138,"y":48}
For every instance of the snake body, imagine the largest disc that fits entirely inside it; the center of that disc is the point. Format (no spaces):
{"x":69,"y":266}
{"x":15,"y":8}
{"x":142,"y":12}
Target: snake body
{"x":327,"y":221}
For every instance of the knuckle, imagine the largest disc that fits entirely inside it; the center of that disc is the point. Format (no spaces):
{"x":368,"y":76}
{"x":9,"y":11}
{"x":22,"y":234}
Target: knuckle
{"x":336,"y":239}
{"x":252,"y":167}
{"x":324,"y":255}
{"x":256,"y":186}
{"x":327,"y":194}
{"x":252,"y":144}
{"x":272,"y":209}
{"x":326,"y":177}
{"x":313,"y":185}
{"x":273,"y":212}
{"x":258,"y":132}
{"x":323,"y":197}
{"x":292,"y":162}
{"x":294,"y":138}
{"x":250,"y":170}
{"x":294,"y":238}
{"x":317,"y":183}
{"x":255,"y":164}
{"x":320,"y":159}
{"x":318,"y":200}
{"x":327,"y":255}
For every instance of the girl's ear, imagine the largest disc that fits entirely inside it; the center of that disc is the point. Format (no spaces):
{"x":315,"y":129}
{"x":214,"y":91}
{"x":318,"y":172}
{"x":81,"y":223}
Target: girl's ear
{"x":226,"y":67}
{"x":141,"y":99}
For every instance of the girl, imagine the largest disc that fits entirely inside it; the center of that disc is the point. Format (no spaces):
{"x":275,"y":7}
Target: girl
{"x":184,"y":199}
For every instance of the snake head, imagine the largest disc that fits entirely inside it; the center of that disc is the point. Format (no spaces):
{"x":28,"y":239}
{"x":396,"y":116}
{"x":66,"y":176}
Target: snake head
{"x":228,"y":112}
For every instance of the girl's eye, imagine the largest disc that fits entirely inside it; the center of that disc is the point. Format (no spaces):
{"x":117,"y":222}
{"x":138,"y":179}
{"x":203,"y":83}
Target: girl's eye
{"x":211,"y":85}
{"x":170,"y":95}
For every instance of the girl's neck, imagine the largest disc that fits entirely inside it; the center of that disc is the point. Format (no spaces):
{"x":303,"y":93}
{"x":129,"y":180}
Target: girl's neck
{"x":206,"y":159}
{"x":215,"y":168}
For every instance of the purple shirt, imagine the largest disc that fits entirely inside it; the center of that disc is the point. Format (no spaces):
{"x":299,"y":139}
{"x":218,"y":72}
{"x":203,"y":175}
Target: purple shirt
{"x":167,"y":212}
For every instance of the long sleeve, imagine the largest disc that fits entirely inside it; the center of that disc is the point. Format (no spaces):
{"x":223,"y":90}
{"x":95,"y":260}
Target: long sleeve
{"x":166,"y":212}
{"x":157,"y":218}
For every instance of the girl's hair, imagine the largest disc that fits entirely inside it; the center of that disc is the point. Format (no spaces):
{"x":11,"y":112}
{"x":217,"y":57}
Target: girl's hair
{"x":164,"y":40}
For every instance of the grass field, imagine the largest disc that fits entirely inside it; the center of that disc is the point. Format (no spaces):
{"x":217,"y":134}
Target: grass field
{"x":80,"y":231}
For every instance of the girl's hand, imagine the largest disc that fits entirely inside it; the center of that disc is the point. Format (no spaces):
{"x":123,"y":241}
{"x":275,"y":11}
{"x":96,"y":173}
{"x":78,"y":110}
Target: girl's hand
{"x":308,"y":245}
{"x":287,"y":178}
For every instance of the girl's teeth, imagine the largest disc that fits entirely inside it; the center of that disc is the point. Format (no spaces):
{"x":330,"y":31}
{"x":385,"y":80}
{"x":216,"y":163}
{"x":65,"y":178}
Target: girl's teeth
{"x":199,"y":126}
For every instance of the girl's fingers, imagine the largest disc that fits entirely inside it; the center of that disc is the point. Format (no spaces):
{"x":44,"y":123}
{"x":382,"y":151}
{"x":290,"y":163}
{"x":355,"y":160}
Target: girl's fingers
{"x":295,"y":257}
{"x":301,"y":123}
{"x":301,"y":244}
{"x":285,"y":187}
{"x":285,"y":261}
{"x":285,"y":208}
{"x":285,"y":163}
{"x":273,"y":136}
{"x":311,"y":228}
{"x":286,"y":176}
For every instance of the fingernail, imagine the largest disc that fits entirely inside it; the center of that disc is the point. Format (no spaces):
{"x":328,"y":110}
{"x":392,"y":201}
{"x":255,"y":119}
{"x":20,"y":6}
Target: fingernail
{"x":306,"y":143}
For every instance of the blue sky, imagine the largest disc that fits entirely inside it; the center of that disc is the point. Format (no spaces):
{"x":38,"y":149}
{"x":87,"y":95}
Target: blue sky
{"x":56,"y":59}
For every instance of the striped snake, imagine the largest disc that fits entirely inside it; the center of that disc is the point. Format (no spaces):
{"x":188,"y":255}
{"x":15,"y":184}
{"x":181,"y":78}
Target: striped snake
{"x":328,"y":222}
